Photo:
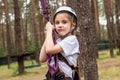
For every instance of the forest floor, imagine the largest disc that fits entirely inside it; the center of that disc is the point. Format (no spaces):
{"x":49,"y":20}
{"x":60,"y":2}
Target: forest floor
{"x":108,"y":69}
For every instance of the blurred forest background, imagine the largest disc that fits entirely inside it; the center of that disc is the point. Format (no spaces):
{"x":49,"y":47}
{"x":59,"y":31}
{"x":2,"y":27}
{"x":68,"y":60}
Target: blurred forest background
{"x":22,"y":30}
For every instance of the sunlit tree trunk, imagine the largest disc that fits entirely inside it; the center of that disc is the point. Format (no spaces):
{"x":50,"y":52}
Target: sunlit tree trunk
{"x":110,"y":24}
{"x":25,"y":30}
{"x":3,"y":40}
{"x":117,"y":12}
{"x":18,"y":39}
{"x":35,"y":26}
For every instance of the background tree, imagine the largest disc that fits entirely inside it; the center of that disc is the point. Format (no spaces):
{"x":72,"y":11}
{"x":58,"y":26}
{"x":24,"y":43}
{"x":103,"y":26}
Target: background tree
{"x":95,"y":18}
{"x":2,"y":31}
{"x":117,"y":13}
{"x":9,"y":45}
{"x":18,"y":39}
{"x":110,"y":24}
{"x":25,"y":27}
{"x":94,"y":8}
{"x":35,"y":26}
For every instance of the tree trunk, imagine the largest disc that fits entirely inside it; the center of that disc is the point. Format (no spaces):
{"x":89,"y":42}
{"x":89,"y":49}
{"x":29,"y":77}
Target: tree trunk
{"x":18,"y":39}
{"x":35,"y":26}
{"x":25,"y":29}
{"x":3,"y":39}
{"x":110,"y":26}
{"x":95,"y":17}
{"x":94,"y":8}
{"x":9,"y":45}
{"x":87,"y":39}
{"x":72,"y":3}
{"x":117,"y":12}
{"x":41,"y":26}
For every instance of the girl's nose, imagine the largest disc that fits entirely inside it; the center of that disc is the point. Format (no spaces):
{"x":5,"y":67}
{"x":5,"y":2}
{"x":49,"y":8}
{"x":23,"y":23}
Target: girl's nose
{"x":60,"y":25}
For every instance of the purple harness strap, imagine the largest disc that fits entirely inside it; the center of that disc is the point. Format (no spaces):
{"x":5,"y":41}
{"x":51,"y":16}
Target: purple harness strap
{"x":52,"y":69}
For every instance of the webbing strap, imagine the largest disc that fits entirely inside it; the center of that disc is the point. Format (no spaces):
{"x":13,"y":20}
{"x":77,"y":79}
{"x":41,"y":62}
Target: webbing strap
{"x":52,"y":69}
{"x":44,"y":8}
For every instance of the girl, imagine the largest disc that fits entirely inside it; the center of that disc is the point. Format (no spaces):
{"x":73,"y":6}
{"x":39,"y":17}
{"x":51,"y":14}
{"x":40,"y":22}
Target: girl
{"x":65,"y":22}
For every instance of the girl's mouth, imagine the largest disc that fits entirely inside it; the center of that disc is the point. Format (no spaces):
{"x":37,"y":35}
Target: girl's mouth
{"x":60,"y":30}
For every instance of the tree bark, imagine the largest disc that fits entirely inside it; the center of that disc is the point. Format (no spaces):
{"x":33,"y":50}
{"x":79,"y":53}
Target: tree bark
{"x":18,"y":39}
{"x":94,"y":8}
{"x":117,"y":12}
{"x":25,"y":29}
{"x":87,"y":39}
{"x":95,"y":19}
{"x":110,"y":26}
{"x":35,"y":26}
{"x":9,"y":45}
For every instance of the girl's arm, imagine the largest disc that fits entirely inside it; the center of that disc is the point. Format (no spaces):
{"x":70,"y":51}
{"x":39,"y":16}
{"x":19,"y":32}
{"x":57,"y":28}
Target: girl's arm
{"x":50,"y":47}
{"x":43,"y":55}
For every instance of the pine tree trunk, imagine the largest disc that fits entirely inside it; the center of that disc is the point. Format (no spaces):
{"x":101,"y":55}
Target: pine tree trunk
{"x":25,"y":29}
{"x":94,"y":8}
{"x":18,"y":39}
{"x":95,"y":20}
{"x":110,"y":26}
{"x":87,"y":39}
{"x":3,"y":38}
{"x":35,"y":26}
{"x":117,"y":12}
{"x":9,"y":45}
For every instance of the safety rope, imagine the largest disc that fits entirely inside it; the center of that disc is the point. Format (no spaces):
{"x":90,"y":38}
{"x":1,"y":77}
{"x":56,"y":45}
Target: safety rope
{"x":52,"y":69}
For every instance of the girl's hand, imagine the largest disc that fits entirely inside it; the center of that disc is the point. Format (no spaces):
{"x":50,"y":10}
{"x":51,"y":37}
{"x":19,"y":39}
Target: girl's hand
{"x":49,"y":27}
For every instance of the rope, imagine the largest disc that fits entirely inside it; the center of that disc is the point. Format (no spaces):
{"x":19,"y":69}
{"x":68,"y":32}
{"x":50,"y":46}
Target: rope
{"x":52,"y":69}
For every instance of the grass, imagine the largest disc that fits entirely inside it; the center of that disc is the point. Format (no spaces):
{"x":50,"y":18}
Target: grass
{"x":36,"y":73}
{"x":108,"y":68}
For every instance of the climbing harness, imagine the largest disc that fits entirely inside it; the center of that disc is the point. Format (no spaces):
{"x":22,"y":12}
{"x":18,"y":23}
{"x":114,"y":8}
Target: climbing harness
{"x":52,"y":69}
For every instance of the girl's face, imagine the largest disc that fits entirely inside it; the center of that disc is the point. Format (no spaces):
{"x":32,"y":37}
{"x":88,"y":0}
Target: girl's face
{"x":63,"y":24}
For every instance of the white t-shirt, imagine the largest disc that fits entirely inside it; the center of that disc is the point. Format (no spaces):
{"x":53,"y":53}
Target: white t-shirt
{"x":70,"y":48}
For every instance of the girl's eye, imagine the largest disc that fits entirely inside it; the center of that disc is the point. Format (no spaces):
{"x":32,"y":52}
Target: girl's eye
{"x":56,"y":22}
{"x":64,"y":22}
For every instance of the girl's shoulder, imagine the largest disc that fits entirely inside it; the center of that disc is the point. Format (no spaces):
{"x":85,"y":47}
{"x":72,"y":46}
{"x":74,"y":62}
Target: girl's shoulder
{"x":68,"y":38}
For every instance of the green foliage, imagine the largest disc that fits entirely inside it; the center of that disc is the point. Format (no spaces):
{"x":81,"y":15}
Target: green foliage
{"x":14,"y":70}
{"x":31,"y":46}
{"x":118,"y":52}
{"x":101,"y":7}
{"x":2,"y":51}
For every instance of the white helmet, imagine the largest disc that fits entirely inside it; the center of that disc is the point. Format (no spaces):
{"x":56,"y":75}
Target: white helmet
{"x":65,"y":8}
